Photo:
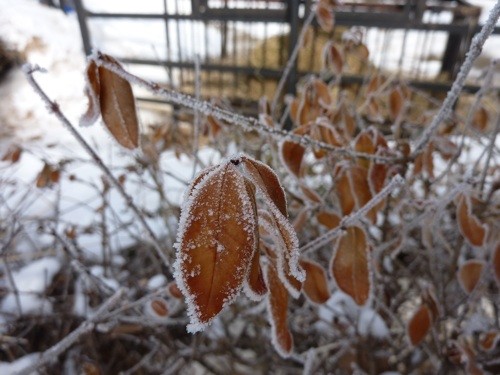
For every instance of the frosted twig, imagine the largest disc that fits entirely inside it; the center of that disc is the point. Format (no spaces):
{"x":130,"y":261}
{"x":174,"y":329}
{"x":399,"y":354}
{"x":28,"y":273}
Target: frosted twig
{"x":53,"y":352}
{"x":246,"y":123}
{"x":54,"y":108}
{"x":351,"y":219}
{"x":452,"y":96}
{"x":291,"y":61}
{"x":197,"y":117}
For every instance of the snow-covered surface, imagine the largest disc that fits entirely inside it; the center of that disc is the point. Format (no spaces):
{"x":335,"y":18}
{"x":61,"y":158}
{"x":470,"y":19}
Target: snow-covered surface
{"x":19,"y":364}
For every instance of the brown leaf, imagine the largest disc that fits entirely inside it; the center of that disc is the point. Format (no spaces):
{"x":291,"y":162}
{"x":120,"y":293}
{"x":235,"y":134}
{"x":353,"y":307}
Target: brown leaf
{"x":316,"y":285}
{"x":325,"y":16}
{"x":377,"y":175}
{"x":292,"y":154}
{"x":92,"y":91}
{"x":495,"y":259}
{"x":118,"y":106}
{"x":310,"y":194}
{"x":469,"y":274}
{"x":419,"y":325}
{"x":255,"y":285}
{"x":278,"y":303}
{"x":333,"y":58}
{"x":350,"y":265}
{"x":48,"y":175}
{"x":160,"y":307}
{"x":480,"y":119}
{"x":266,"y":181}
{"x":13,"y":154}
{"x":489,"y":340}
{"x":396,"y":103}
{"x":216,"y":241}
{"x":364,"y":143}
{"x":174,"y":290}
{"x":214,"y":126}
{"x":301,"y":219}
{"x":328,"y":219}
{"x":470,"y":226}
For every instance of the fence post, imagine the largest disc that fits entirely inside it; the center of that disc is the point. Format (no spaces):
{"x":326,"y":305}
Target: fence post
{"x":293,"y":20}
{"x":84,"y":30}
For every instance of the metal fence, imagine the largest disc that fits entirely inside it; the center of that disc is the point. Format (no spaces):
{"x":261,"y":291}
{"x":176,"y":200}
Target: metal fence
{"x":243,"y":45}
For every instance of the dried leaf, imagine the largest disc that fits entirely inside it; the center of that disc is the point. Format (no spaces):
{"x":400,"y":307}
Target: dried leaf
{"x":489,"y":340}
{"x":118,"y":106}
{"x":469,"y":274}
{"x":255,"y":285}
{"x":310,"y":194}
{"x":343,"y":189}
{"x":47,"y":176}
{"x":160,"y":307}
{"x":470,"y":226}
{"x":377,"y":175}
{"x":292,"y":154}
{"x":396,"y":103}
{"x":301,"y":219}
{"x":328,"y":219}
{"x":316,"y":285}
{"x":419,"y":325}
{"x":325,"y":16}
{"x":278,"y":303}
{"x":216,"y":241}
{"x":267,"y":182}
{"x":13,"y":154}
{"x":350,"y":265}
{"x":92,"y":91}
{"x":174,"y":290}
{"x":496,"y":262}
{"x":480,"y":119}
{"x":333,"y":58}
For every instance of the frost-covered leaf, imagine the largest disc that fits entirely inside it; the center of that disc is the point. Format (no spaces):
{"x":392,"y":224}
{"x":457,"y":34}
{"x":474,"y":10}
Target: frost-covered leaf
{"x":159,"y":307}
{"x":350,"y":265}
{"x":471,"y":228}
{"x":266,"y":181}
{"x":278,"y":304}
{"x":255,"y":285}
{"x":328,"y":219}
{"x":48,"y":175}
{"x":118,"y":106}
{"x":469,"y":274}
{"x":13,"y":154}
{"x":325,"y":16}
{"x":291,"y":155}
{"x":419,"y":325}
{"x":396,"y":103}
{"x":315,"y":286}
{"x":333,"y":58}
{"x":343,"y":188}
{"x":310,"y":194}
{"x":480,"y":119}
{"x":216,"y":241}
{"x":174,"y":290}
{"x":92,"y":91}
{"x":489,"y":340}
{"x":495,"y":259}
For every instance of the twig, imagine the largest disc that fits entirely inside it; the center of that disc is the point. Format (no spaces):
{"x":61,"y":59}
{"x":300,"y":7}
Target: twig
{"x":197,"y":117}
{"x":291,"y":61}
{"x":396,"y":182}
{"x":490,"y":148}
{"x":53,"y":352}
{"x":246,"y":123}
{"x":452,"y":96}
{"x":54,"y":108}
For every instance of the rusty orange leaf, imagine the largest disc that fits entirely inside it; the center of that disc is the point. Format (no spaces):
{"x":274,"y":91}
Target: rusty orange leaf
{"x":419,"y":325}
{"x":471,"y":228}
{"x":469,"y":274}
{"x":316,"y":284}
{"x":350,"y":265}
{"x":329,"y":219}
{"x":216,"y":241}
{"x":325,"y":16}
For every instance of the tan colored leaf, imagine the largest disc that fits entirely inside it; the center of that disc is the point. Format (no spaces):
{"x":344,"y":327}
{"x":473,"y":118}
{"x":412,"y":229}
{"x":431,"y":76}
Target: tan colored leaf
{"x":396,"y":103}
{"x":48,"y":175}
{"x":470,"y":226}
{"x":13,"y":154}
{"x":92,"y":91}
{"x":291,"y":155}
{"x":350,"y":265}
{"x":310,"y":194}
{"x":214,"y":126}
{"x":333,"y":58}
{"x":480,"y":119}
{"x":328,"y":219}
{"x":489,"y":340}
{"x":255,"y":286}
{"x":216,"y":241}
{"x":266,"y":181}
{"x":160,"y":307}
{"x":325,"y":16}
{"x":469,"y":274}
{"x":496,"y":262}
{"x":364,"y":143}
{"x":316,"y":285}
{"x":429,"y":299}
{"x":301,"y":219}
{"x":374,"y":84}
{"x":363,"y":52}
{"x":419,"y":325}
{"x":377,"y":175}
{"x":118,"y":106}
{"x":343,"y":189}
{"x":174,"y":290}
{"x":278,"y":304}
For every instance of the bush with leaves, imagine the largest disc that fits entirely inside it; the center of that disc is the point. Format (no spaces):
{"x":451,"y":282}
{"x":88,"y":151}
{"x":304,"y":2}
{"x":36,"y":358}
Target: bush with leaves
{"x":364,"y":238}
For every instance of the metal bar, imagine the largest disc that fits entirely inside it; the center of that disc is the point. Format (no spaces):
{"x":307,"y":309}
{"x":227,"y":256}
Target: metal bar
{"x":84,"y":30}
{"x":293,"y":14}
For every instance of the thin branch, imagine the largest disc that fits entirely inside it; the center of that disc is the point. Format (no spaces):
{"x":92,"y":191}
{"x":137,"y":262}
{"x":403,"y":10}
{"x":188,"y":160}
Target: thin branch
{"x":351,"y":219}
{"x":447,"y":106}
{"x":54,"y":108}
{"x":490,"y":148}
{"x":246,"y":123}
{"x":53,"y":352}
